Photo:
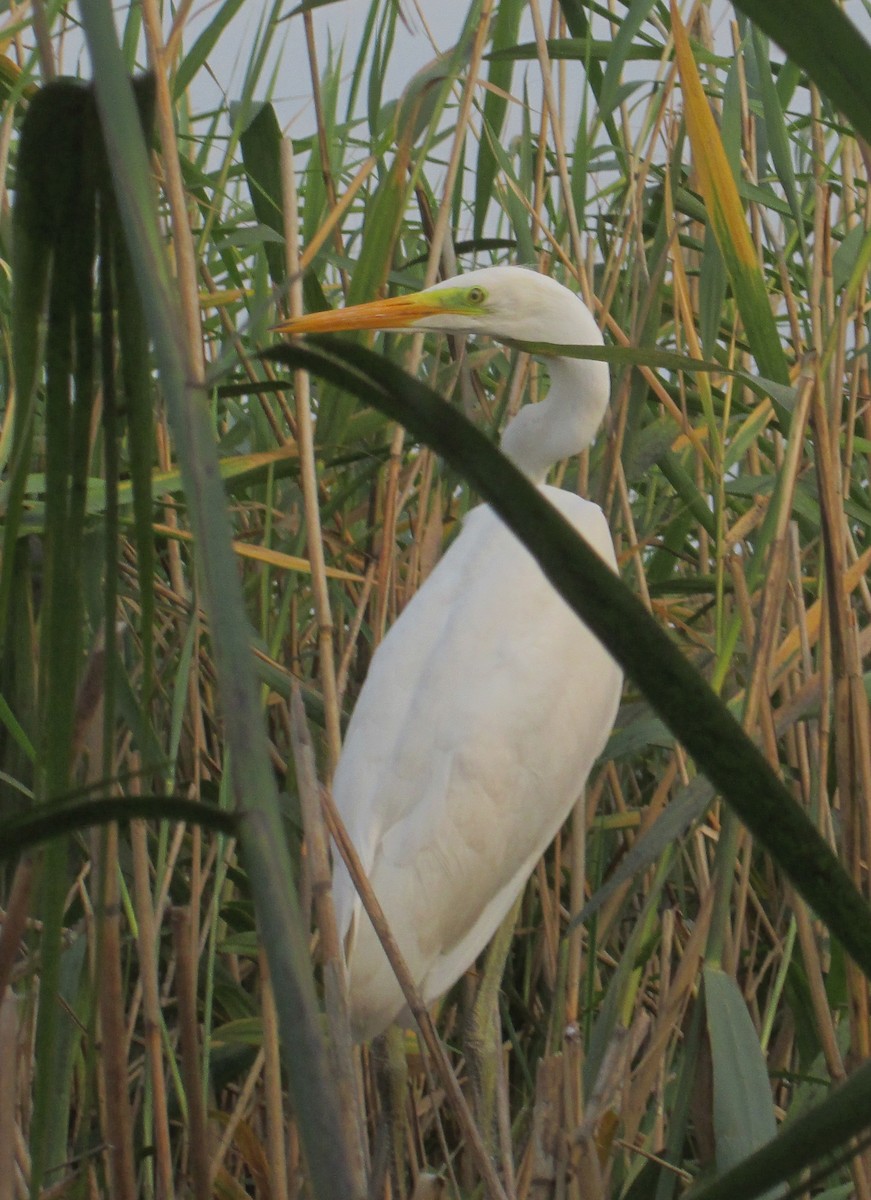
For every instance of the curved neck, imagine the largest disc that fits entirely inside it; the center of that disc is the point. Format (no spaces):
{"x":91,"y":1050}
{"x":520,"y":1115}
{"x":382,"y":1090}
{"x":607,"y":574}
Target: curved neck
{"x":562,"y":424}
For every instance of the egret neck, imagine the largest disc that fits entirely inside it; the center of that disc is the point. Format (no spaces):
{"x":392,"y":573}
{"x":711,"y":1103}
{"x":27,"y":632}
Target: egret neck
{"x":566,"y":421}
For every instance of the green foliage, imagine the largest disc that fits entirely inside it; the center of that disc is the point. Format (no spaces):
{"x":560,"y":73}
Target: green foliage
{"x":676,"y":1020}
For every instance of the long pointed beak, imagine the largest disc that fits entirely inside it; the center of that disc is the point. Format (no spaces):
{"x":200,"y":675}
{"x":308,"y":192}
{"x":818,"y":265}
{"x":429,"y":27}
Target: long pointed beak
{"x":399,"y":312}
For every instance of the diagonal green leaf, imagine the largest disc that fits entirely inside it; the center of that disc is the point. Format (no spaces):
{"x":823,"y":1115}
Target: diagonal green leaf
{"x":675,"y":690}
{"x":203,"y":46}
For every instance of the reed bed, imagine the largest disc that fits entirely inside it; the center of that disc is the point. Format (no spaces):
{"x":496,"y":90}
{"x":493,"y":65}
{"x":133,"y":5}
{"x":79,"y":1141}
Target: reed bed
{"x":170,"y":990}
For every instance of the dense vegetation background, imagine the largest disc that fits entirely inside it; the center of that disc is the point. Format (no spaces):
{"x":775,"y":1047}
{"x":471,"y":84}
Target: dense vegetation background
{"x":161,"y":834}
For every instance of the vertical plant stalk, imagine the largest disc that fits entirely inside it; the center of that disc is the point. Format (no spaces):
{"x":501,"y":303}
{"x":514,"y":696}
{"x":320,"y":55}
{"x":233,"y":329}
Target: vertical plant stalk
{"x":719,"y":951}
{"x":113,"y":1057}
{"x":308,"y":472}
{"x":260,"y":831}
{"x":100,"y":733}
{"x":440,"y":250}
{"x":275,"y":1121}
{"x":183,"y":243}
{"x":15,"y":919}
{"x":416,"y":1006}
{"x":559,"y":146}
{"x":577,"y":880}
{"x":45,"y":45}
{"x":186,"y":995}
{"x":323,"y":144}
{"x":335,"y":979}
{"x":847,"y":711}
{"x":9,"y":1006}
{"x":146,"y":939}
{"x":850,"y":700}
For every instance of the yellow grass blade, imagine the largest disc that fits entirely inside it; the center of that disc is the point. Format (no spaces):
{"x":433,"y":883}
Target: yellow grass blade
{"x":725,"y":213}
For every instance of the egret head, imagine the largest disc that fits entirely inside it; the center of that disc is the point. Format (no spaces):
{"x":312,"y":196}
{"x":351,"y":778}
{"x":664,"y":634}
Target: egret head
{"x":513,"y":304}
{"x":504,"y":302}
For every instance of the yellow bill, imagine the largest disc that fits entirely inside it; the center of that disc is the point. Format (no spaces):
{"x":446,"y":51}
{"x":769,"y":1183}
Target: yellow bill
{"x":398,"y":312}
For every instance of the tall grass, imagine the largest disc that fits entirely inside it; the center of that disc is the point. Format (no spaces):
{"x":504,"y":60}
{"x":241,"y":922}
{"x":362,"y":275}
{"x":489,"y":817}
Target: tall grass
{"x":171,"y":498}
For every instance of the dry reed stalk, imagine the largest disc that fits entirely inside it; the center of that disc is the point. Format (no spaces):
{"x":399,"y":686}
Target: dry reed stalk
{"x":151,"y":1015}
{"x":308,"y":473}
{"x":577,"y":891}
{"x":14,"y":918}
{"x":235,"y":1124}
{"x":235,"y":338}
{"x":628,"y":525}
{"x":852,"y":754}
{"x":323,"y":144}
{"x":614,"y":905}
{"x":547,"y":1135}
{"x":761,"y":634}
{"x":549,"y":923}
{"x":439,"y":240}
{"x":552,"y":109}
{"x":161,"y":903}
{"x":428,"y":527}
{"x":113,"y":1058}
{"x":354,"y":627}
{"x":186,"y":996}
{"x":385,"y":565}
{"x":183,"y":243}
{"x":279,"y":1180}
{"x":670,"y":1014}
{"x":44,"y":41}
{"x":416,"y":1006}
{"x":9,"y":1048}
{"x":332,"y":957}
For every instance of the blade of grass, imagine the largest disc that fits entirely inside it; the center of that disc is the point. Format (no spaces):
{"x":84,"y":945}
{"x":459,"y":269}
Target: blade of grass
{"x":743,"y":1109}
{"x":726,"y":216}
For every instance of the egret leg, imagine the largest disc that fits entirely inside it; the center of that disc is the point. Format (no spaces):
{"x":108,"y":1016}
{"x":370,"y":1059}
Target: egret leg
{"x":392,"y":1075}
{"x":484,"y":1031}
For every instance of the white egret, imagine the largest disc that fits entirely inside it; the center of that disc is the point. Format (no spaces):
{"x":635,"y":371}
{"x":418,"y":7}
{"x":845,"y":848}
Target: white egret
{"x":488,"y":701}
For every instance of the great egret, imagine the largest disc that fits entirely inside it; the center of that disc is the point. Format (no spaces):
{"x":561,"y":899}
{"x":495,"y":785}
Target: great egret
{"x":488,"y":701}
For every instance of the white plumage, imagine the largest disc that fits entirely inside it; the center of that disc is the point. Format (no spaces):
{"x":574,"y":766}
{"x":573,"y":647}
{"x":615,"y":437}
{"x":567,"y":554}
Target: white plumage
{"x":488,"y":701}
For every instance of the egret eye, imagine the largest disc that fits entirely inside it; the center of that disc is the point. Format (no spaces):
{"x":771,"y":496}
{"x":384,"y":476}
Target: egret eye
{"x":477,"y":295}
